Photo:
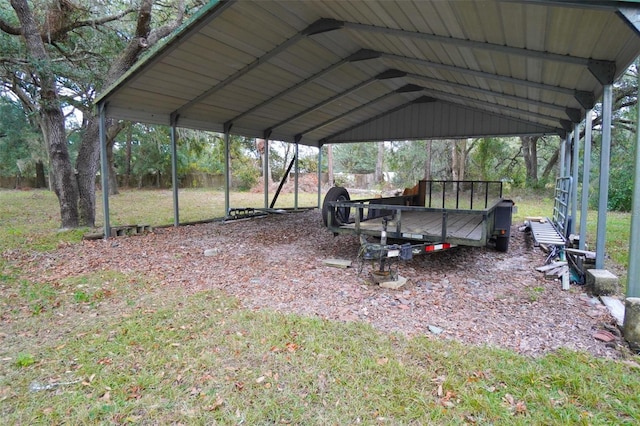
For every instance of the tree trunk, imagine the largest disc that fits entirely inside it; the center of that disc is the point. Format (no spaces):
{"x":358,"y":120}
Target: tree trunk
{"x":52,"y":118}
{"x":530,"y":155}
{"x":285,"y":161}
{"x":458,"y":159}
{"x":127,"y":173}
{"x":263,"y":145}
{"x":87,"y":162}
{"x":41,"y":182}
{"x":378,"y":176}
{"x":64,"y":179}
{"x":551,"y":164}
{"x":87,"y":165}
{"x":113,"y":175}
{"x":427,"y":163}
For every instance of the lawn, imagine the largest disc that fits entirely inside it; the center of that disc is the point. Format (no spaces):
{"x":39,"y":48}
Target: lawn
{"x":111,"y":347}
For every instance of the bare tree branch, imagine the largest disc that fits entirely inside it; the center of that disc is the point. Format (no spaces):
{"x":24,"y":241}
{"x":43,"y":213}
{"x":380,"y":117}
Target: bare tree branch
{"x":50,"y":37}
{"x":93,"y":22}
{"x":5,"y":27}
{"x":165,"y":30}
{"x":13,"y":61}
{"x":143,"y":39}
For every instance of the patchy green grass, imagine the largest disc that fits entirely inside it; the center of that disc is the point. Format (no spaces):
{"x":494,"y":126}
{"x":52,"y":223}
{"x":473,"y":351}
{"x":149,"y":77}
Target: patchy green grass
{"x":32,"y":219}
{"x":155,"y":207}
{"x":112,"y":348}
{"x":201,"y":359}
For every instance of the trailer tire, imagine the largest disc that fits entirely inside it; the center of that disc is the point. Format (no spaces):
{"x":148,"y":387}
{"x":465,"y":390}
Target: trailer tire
{"x":341,"y":214}
{"x":502,"y":244}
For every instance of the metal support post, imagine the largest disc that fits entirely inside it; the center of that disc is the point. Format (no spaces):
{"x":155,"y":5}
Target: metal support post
{"x":603,"y":198}
{"x":265,"y":173}
{"x":319,"y":174}
{"x":104,"y":168}
{"x":633,"y":264}
{"x":227,"y":170}
{"x":295,"y":182}
{"x":574,"y":174}
{"x":174,"y":173}
{"x":586,"y":171}
{"x":567,"y":156}
{"x":563,"y":148}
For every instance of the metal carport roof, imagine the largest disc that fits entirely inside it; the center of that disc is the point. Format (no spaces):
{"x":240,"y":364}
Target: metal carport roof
{"x":330,"y":71}
{"x":318,"y":72}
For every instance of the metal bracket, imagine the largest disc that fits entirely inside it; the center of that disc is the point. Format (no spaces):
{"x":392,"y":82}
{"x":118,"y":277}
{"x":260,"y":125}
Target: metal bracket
{"x":409,"y":88}
{"x":604,"y":71}
{"x":574,"y":114}
{"x":173,"y":119}
{"x":586,"y":99}
{"x":323,"y":25}
{"x":566,"y":125}
{"x":390,"y":73}
{"x":363,"y":55}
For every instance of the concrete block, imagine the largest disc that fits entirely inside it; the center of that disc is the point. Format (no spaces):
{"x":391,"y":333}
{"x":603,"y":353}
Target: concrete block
{"x":394,"y":285}
{"x":631,"y":327}
{"x":601,"y":282}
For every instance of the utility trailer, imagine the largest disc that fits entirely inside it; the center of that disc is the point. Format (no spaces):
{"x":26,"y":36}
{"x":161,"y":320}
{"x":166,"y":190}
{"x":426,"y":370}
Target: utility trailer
{"x":434,"y":215}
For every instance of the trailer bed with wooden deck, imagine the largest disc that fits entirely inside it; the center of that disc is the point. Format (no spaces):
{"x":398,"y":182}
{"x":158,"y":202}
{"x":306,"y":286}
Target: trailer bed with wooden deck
{"x":449,"y":213}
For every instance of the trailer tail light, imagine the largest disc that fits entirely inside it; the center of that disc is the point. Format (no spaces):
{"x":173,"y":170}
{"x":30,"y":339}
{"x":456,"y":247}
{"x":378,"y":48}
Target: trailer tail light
{"x":437,"y":247}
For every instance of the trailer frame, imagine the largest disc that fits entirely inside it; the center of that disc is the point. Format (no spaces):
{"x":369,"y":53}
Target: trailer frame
{"x":436,"y":212}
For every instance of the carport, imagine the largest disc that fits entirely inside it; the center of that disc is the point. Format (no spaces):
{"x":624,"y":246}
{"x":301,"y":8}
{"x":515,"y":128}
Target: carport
{"x":325,"y":72}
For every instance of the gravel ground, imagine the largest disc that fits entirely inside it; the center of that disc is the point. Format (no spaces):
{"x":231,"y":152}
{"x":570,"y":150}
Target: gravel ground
{"x":476,"y":296}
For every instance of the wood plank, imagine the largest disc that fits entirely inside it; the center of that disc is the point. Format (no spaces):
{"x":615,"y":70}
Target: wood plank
{"x":338,"y":263}
{"x":586,"y":253}
{"x":427,"y":223}
{"x":557,"y":272}
{"x":616,"y":308}
{"x":472,"y":229}
{"x":550,"y":266}
{"x":538,"y":219}
{"x":458,"y":222}
{"x":566,"y":279}
{"x":460,"y":226}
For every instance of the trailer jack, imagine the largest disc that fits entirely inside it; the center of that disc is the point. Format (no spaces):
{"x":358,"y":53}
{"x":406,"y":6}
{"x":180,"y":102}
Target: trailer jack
{"x":386,"y":255}
{"x":385,"y":258}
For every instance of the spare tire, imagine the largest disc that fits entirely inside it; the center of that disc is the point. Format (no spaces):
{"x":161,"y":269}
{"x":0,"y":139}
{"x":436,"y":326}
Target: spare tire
{"x":339,"y":215}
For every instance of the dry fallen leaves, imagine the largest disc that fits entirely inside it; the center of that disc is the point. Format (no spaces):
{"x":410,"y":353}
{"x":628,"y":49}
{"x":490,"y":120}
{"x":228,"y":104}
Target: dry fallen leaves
{"x":382,"y":361}
{"x":219,"y":402}
{"x":439,"y":381}
{"x":446,"y":400}
{"x":271,"y":263}
{"x":516,"y":407}
{"x":292,"y":347}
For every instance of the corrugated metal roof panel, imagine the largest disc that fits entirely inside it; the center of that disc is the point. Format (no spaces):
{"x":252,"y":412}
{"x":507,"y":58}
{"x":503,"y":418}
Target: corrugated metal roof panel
{"x":435,"y":120}
{"x":259,"y":63}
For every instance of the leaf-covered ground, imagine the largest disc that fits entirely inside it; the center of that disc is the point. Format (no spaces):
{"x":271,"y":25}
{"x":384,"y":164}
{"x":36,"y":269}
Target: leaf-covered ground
{"x":476,"y":296}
